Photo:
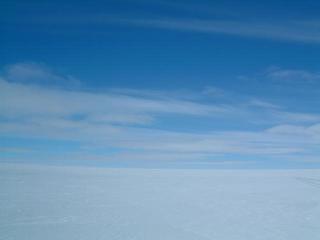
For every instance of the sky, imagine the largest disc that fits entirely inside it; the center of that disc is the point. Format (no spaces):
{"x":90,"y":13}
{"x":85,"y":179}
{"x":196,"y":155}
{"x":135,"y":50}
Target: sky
{"x":170,"y":84}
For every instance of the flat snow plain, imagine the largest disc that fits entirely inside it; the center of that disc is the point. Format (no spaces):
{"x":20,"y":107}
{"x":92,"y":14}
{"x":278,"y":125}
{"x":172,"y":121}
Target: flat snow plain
{"x":75,"y":203}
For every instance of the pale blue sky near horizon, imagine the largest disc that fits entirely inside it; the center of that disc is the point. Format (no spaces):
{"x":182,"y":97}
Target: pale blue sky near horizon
{"x":173,"y":84}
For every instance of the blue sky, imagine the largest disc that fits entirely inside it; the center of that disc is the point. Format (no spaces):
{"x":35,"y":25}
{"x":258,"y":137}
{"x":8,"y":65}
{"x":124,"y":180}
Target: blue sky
{"x":192,"y":84}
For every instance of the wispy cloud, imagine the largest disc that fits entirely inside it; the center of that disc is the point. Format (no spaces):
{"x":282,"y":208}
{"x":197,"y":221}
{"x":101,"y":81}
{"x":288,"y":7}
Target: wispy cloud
{"x":292,"y":30}
{"x":245,"y":20}
{"x":293,"y":75}
{"x":35,"y":73}
{"x":126,"y":119}
{"x":299,"y":31}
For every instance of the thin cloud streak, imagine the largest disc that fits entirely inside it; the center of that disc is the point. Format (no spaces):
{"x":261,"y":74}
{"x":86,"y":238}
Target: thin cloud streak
{"x":293,"y":75}
{"x":125,"y":120}
{"x":297,"y":31}
{"x":292,"y":30}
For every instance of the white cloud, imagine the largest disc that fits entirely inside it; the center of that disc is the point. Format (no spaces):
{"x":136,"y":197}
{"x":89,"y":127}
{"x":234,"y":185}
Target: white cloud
{"x":300,"y":31}
{"x":263,"y":104}
{"x":35,"y":73}
{"x":124,"y":119}
{"x":293,"y":75}
{"x":23,"y":100}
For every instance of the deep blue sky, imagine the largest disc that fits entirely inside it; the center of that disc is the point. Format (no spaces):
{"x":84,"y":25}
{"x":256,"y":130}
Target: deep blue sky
{"x":161,"y":83}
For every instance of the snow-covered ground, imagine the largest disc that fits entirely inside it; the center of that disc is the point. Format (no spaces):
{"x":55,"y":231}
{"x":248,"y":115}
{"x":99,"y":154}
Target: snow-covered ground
{"x":74,"y":203}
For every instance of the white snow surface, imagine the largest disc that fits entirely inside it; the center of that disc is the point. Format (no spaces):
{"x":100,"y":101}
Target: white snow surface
{"x":75,"y":203}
